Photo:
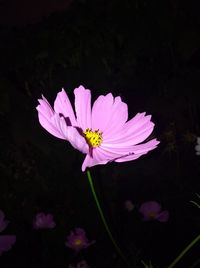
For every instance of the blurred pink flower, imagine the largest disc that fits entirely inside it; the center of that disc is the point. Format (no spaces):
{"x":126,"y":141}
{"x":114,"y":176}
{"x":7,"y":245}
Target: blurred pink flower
{"x":6,"y":241}
{"x":197,"y":146}
{"x":77,"y":240}
{"x":43,"y":221}
{"x":151,"y":210}
{"x":81,"y":264}
{"x":128,"y":205}
{"x":3,"y":222}
{"x":101,"y":132}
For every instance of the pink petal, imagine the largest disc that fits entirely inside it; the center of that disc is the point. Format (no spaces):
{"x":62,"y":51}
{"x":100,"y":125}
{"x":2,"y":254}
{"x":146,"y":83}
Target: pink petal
{"x":145,"y":147}
{"x":49,"y":120}
{"x":63,"y":106}
{"x":101,"y":111}
{"x":150,"y":207}
{"x":38,"y":221}
{"x":133,"y":132}
{"x":163,"y":216}
{"x":129,"y":126}
{"x":129,"y":149}
{"x":121,"y":154}
{"x":129,"y":157}
{"x":76,"y":140}
{"x":83,"y":107}
{"x":97,"y":158}
{"x":109,"y":114}
{"x":56,"y":125}
{"x":137,"y":152}
{"x":87,"y":162}
{"x":197,"y":148}
{"x":45,"y":107}
{"x":6,"y":242}
{"x":50,"y":221}
{"x":80,"y":231}
{"x":103,"y":154}
{"x":42,"y":221}
{"x":82,"y":264}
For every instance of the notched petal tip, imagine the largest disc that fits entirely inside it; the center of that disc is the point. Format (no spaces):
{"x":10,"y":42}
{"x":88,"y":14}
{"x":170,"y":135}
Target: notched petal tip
{"x":62,"y":106}
{"x":81,"y":88}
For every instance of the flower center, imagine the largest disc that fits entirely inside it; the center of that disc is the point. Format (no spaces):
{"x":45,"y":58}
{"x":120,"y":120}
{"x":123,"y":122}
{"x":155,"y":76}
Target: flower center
{"x":77,"y":242}
{"x":93,"y":138}
{"x":152,"y":215}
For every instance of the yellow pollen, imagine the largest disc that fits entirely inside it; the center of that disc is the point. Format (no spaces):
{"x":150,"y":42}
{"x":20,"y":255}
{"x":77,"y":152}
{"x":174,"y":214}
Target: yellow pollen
{"x":93,"y":138}
{"x":77,"y":242}
{"x":152,"y":215}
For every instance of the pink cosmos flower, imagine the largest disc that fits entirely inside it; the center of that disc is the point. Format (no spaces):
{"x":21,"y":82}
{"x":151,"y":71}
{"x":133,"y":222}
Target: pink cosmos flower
{"x":197,"y":146}
{"x":151,"y":210}
{"x":102,"y":132}
{"x":6,"y":241}
{"x":128,"y":205}
{"x":43,"y":221}
{"x":77,"y":240}
{"x":81,"y":264}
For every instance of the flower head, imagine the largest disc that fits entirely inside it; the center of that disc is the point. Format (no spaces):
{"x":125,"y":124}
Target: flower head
{"x":151,"y":210}
{"x":77,"y":240}
{"x":6,"y":241}
{"x":197,"y":146}
{"x":43,"y":221}
{"x":128,"y":205}
{"x":102,"y":132}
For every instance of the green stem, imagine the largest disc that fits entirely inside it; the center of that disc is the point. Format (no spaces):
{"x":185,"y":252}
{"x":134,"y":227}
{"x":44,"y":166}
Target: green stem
{"x":104,"y":220}
{"x":184,"y":251}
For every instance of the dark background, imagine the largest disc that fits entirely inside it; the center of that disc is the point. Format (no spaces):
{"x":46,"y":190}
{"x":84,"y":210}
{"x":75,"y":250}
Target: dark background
{"x":148,"y":52}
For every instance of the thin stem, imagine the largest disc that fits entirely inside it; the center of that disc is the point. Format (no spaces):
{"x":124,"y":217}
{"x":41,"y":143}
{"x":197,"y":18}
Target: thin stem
{"x":104,"y":220}
{"x":184,"y":251}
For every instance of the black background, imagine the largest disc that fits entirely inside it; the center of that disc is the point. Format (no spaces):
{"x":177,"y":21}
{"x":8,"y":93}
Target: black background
{"x":148,"y":52}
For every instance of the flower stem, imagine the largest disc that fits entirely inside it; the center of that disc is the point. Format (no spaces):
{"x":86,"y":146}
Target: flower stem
{"x":104,"y":220}
{"x":184,"y":251}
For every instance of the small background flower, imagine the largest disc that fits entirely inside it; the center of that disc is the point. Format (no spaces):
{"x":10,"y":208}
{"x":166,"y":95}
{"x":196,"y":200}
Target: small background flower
{"x":6,"y":241}
{"x":43,"y":221}
{"x":152,"y":210}
{"x":77,"y":240}
{"x":197,"y":147}
{"x":128,"y":205}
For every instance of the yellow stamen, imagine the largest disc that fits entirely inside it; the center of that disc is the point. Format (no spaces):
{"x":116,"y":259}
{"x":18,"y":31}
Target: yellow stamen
{"x":152,"y":215}
{"x":93,"y":138}
{"x":77,"y":242}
